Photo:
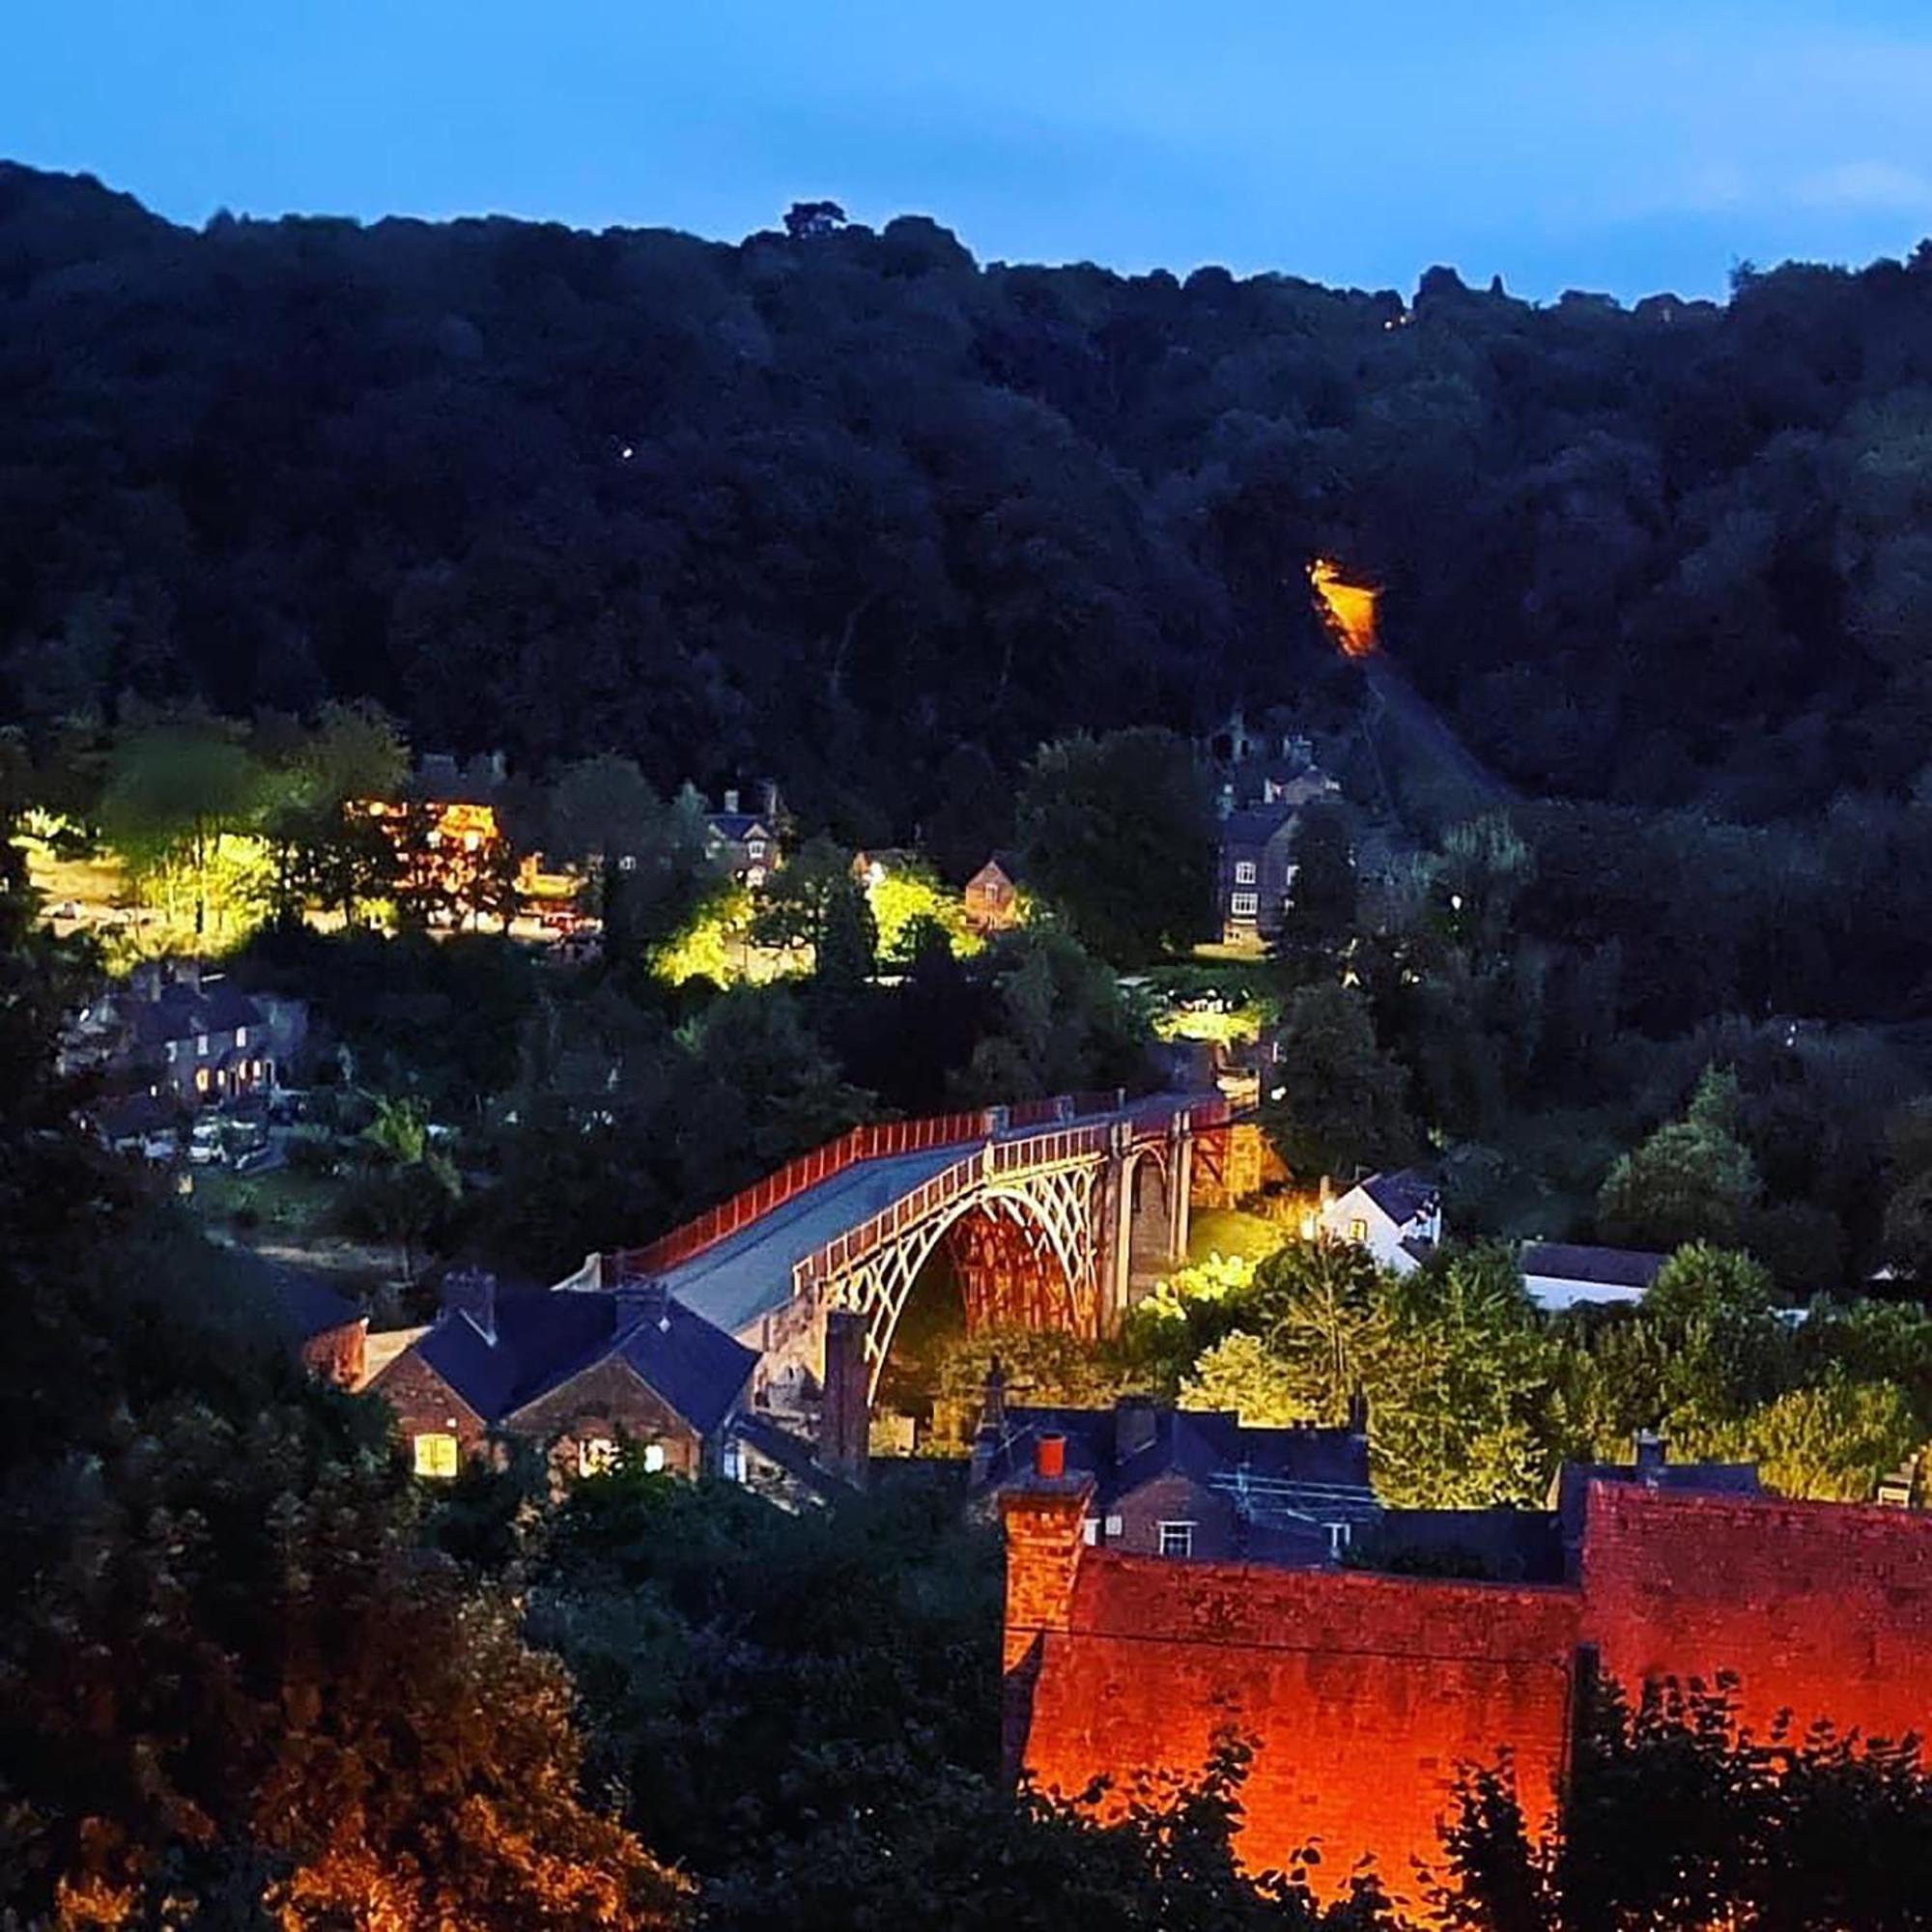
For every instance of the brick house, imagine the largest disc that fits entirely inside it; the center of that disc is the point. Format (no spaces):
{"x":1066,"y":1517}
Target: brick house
{"x":1189,"y":1482}
{"x":744,"y":846}
{"x":327,"y":1331}
{"x":176,"y":1027}
{"x":990,"y":900}
{"x":1255,"y":869}
{"x":574,"y":1371}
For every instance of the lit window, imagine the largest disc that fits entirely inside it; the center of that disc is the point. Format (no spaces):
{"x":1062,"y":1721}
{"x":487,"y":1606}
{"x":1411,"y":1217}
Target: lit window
{"x":1176,"y":1539}
{"x":755,"y":875}
{"x":1244,"y":871}
{"x":654,"y":1459}
{"x":201,"y":1043}
{"x":1091,"y":1529}
{"x":203,"y":1080}
{"x":1244,"y":905}
{"x":1358,"y":1230}
{"x":436,"y":1455}
{"x":1115,"y":1524}
{"x":241,"y":1036}
{"x":1339,"y":1537}
{"x":173,"y":1049}
{"x":596,"y":1454}
{"x":734,"y":1464}
{"x":755,"y":847}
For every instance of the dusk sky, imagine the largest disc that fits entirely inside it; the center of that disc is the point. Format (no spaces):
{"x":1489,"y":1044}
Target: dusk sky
{"x":1629,"y":145}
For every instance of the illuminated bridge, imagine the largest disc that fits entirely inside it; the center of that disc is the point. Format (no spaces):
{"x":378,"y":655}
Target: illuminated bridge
{"x":1046,"y":1212}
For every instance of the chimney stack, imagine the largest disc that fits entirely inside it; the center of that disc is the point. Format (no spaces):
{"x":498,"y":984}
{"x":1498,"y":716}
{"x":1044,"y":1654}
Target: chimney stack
{"x":472,"y":1294}
{"x":1358,"y":1413}
{"x":731,"y":797}
{"x":845,"y":1417}
{"x":1650,"y":1455}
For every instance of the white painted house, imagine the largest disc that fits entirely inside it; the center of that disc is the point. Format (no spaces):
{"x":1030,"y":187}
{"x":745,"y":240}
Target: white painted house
{"x":1398,"y":1217}
{"x":1559,"y":1275}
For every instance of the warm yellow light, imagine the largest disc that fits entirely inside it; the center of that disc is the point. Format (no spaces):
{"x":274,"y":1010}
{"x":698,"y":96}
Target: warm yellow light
{"x":1348,"y":608}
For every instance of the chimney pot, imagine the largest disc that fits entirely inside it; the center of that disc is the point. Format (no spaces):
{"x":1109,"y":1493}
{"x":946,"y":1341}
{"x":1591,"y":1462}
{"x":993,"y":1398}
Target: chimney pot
{"x":1650,"y":1454}
{"x":731,"y":799}
{"x":1050,"y":1456}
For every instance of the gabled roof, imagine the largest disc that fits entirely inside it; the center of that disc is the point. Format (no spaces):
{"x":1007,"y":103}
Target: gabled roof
{"x":1609,"y":1267}
{"x":184,"y":1012}
{"x":546,"y":1337}
{"x":1255,"y":824}
{"x":1007,"y":864}
{"x":737,"y":826}
{"x":1402,"y":1195}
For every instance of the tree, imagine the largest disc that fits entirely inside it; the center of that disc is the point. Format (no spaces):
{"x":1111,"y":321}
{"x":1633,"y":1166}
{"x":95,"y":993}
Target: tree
{"x":813,"y":220}
{"x":1692,"y":1179}
{"x":408,"y":1184}
{"x":1835,"y":1441}
{"x":175,"y":793}
{"x":1676,"y":1814}
{"x":1343,"y":1107}
{"x":794,"y":904}
{"x":1241,"y":1374}
{"x":1322,"y":911}
{"x":1116,"y":832}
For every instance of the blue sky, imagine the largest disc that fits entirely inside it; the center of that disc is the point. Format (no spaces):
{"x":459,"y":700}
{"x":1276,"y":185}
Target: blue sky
{"x":1626,"y":145}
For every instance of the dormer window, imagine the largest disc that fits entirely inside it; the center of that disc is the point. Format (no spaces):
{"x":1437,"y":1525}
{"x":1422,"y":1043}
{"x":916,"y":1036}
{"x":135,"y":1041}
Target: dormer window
{"x":241,"y":1036}
{"x":755,"y":847}
{"x":1244,"y":871}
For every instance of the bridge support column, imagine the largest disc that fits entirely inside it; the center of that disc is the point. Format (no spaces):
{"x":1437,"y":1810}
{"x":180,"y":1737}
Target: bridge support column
{"x":1114,"y":1232}
{"x":1179,"y":1188}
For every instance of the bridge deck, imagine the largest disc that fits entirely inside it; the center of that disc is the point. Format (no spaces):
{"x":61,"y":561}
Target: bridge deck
{"x":748,"y":1274}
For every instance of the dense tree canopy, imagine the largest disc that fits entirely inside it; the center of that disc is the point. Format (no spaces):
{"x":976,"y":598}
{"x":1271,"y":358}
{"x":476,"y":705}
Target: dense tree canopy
{"x":834,"y":500}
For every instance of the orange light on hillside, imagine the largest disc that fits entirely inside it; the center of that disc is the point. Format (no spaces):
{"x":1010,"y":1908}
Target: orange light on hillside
{"x":1348,"y":608}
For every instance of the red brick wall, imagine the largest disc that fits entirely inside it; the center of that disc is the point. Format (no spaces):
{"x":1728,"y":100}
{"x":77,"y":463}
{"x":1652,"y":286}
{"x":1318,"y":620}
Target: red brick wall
{"x":424,"y":1401}
{"x":336,"y":1354}
{"x":607,"y":1401}
{"x":1818,"y":1607}
{"x":1366,"y":1692}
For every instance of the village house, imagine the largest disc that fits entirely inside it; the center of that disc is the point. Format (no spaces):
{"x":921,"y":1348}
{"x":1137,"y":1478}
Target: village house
{"x":1398,"y":1217}
{"x":178,"y":1031}
{"x":574,"y":1370}
{"x":1558,"y":1274}
{"x":744,"y":846}
{"x":1262,"y":797}
{"x":991,"y":899}
{"x":1187,"y":1483}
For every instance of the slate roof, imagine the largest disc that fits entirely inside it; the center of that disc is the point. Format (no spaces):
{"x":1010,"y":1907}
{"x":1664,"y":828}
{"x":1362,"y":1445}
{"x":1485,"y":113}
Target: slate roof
{"x":1255,"y":824}
{"x":737,"y":826}
{"x":548,"y":1337}
{"x":129,"y":1114}
{"x":1573,"y":1480}
{"x":1402,"y":1195}
{"x":181,"y":1012}
{"x":1198,"y":1443}
{"x":308,"y":1306}
{"x":1609,"y":1268}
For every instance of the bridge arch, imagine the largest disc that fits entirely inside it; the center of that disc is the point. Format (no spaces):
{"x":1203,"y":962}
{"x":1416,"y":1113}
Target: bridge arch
{"x":1051,"y":1213}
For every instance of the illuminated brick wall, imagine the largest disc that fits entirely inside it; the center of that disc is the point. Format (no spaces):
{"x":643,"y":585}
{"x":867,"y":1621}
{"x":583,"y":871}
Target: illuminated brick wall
{"x":1818,"y":1607}
{"x":1366,"y":1692}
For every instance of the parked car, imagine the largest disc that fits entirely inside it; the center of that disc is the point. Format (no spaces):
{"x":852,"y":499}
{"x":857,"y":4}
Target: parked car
{"x":204,"y":1144}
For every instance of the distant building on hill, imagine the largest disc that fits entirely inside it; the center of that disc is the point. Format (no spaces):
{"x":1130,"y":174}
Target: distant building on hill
{"x":175,"y":1030}
{"x":1558,"y":1274}
{"x":991,"y":899}
{"x":742,"y":845}
{"x":1398,"y":1217}
{"x":1263,"y":783}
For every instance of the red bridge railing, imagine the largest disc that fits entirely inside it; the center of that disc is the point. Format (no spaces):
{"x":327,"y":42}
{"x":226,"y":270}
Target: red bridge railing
{"x":884,"y":1141}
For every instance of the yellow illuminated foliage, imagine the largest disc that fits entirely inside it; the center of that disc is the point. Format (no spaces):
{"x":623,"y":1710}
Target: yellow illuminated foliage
{"x":1348,"y":608}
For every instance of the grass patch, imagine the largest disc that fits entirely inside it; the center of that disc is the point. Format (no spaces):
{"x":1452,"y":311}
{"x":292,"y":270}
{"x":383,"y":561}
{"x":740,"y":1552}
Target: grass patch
{"x":278,"y":1207}
{"x":1228,"y":1230}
